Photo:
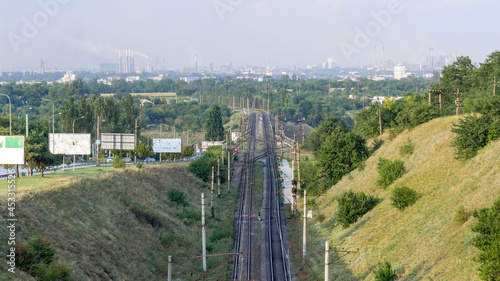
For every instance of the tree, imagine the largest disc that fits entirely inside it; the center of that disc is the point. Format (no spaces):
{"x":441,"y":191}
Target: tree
{"x":488,"y":241}
{"x":37,"y":148}
{"x":143,"y":151}
{"x":215,"y":130}
{"x":342,"y":153}
{"x":187,"y":151}
{"x":332,"y":125}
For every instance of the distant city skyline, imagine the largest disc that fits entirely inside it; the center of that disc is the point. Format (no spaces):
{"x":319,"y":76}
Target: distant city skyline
{"x":78,"y":34}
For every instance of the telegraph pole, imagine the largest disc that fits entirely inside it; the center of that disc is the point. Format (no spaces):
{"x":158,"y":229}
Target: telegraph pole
{"x":218,"y":177}
{"x":203,"y":239}
{"x":294,"y":182}
{"x":161,"y":126}
{"x":228,"y":171}
{"x":327,"y":260}
{"x":457,"y":102}
{"x":304,"y":241}
{"x":135,"y":137}
{"x":212,"y":189}
{"x":169,"y":268}
{"x":379,"y":116}
{"x":298,"y":167}
{"x":494,"y":85}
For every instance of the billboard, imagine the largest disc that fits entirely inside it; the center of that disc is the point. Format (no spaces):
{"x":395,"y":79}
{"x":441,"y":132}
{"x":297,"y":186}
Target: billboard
{"x":69,"y":144}
{"x":117,"y":141}
{"x":235,"y":136}
{"x":206,"y":144}
{"x":167,"y":145}
{"x":11,"y":150}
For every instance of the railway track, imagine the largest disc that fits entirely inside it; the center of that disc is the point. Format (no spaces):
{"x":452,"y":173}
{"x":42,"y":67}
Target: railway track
{"x":273,"y":264}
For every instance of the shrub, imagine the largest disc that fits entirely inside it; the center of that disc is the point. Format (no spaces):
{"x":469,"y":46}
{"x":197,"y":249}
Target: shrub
{"x":403,"y":197}
{"x":118,"y":163}
{"x":219,"y":234}
{"x":472,"y":135}
{"x":36,"y":257}
{"x":190,"y":215}
{"x":407,"y":148}
{"x":461,"y":215}
{"x":353,"y":206}
{"x":488,"y":241}
{"x":177,"y":196}
{"x":389,"y":171}
{"x":384,"y":272}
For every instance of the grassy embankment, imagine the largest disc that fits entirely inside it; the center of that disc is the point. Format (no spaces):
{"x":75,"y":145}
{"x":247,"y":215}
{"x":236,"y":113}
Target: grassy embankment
{"x":121,"y":225}
{"x":423,"y":242}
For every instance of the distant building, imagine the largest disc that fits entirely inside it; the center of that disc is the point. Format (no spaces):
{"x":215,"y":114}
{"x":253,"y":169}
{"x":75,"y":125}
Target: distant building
{"x":67,"y":78}
{"x":331,"y":63}
{"x":399,"y":72}
{"x":109,"y":67}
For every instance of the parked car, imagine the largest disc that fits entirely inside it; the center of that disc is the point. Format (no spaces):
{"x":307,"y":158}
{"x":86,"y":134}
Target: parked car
{"x":127,"y":160}
{"x":149,"y":160}
{"x":109,"y":160}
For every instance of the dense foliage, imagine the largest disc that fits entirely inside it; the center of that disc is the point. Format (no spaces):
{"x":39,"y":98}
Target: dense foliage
{"x":215,"y":130}
{"x":384,"y":272}
{"x":403,"y":197}
{"x":36,"y":257}
{"x":488,"y":241}
{"x":353,"y":206}
{"x":389,"y":171}
{"x":202,"y":167}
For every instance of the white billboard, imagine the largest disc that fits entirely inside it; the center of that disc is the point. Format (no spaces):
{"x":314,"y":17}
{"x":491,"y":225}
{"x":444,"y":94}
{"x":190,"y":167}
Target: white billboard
{"x":207,"y":144}
{"x":11,"y":150}
{"x":117,"y":141}
{"x":167,"y":145}
{"x":69,"y":144}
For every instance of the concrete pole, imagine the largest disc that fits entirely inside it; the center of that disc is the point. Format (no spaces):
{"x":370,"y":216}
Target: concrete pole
{"x":304,"y":242}
{"x":169,"y":268}
{"x":203,"y":240}
{"x":293,"y":178}
{"x":135,"y":144}
{"x":327,"y":260}
{"x":97,"y":145}
{"x":228,"y":171}
{"x":218,"y":177}
{"x":212,"y":189}
{"x":161,"y":127}
{"x":224,"y":149}
{"x":298,"y":168}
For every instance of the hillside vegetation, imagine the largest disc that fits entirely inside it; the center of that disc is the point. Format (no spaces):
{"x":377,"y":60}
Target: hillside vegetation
{"x":425,"y":241}
{"x":124,"y":225}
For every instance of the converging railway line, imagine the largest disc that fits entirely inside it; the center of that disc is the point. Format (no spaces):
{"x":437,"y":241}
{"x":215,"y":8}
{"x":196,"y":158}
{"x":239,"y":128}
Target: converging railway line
{"x":272,"y":263}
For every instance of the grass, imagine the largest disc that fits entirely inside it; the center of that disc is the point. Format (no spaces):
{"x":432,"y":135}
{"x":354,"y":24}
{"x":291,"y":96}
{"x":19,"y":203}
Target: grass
{"x":121,"y":224}
{"x":424,"y":241}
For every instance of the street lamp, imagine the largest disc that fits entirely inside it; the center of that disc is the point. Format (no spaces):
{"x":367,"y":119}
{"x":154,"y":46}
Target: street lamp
{"x":53,"y":132}
{"x":53,"y":118}
{"x":74,"y":156}
{"x":10,"y":113}
{"x":74,"y":122}
{"x":27,"y":125}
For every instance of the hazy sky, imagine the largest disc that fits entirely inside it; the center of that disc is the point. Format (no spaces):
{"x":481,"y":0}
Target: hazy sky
{"x":84,"y":33}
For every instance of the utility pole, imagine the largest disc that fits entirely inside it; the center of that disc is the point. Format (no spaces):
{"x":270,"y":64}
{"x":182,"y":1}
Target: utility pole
{"x":203,"y":239}
{"x":494,"y":85}
{"x":218,"y":177}
{"x":379,"y":116}
{"x":327,"y":260}
{"x":457,"y":102}
{"x":212,"y":189}
{"x":135,"y":137}
{"x":161,"y":126}
{"x":303,"y":131}
{"x":294,"y":182}
{"x":97,"y":144}
{"x":304,"y":241}
{"x":228,"y":171}
{"x":281,"y":141}
{"x":298,"y":167}
{"x":169,"y":268}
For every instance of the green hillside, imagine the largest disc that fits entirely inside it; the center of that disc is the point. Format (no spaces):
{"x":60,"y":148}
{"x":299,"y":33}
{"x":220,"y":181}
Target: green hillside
{"x":124,"y":225}
{"x":423,"y":242}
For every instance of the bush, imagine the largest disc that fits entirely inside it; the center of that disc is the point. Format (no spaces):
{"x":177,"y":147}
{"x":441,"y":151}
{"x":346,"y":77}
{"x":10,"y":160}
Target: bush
{"x":353,"y":206}
{"x":384,"y":272}
{"x":461,"y":215}
{"x":403,"y":197}
{"x":118,"y":163}
{"x":36,"y":257}
{"x":177,"y":196}
{"x":389,"y":171}
{"x":488,"y":241}
{"x":219,"y":234}
{"x":407,"y":148}
{"x":472,"y":135}
{"x":190,"y":215}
